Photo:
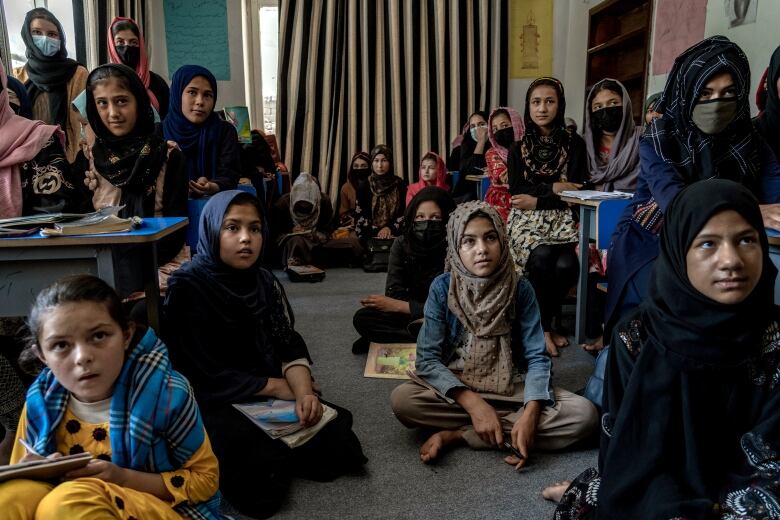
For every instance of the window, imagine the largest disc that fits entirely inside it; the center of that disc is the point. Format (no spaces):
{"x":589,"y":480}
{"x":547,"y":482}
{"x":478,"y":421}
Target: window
{"x":269,"y":56}
{"x":15,"y":12}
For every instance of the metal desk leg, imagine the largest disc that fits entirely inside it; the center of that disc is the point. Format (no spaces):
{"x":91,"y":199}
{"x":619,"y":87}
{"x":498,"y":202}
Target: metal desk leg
{"x":582,"y":283}
{"x":152,"y":289}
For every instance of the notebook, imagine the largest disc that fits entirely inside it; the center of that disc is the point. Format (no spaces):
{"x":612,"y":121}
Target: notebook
{"x":45,"y":469}
{"x":277,"y":418}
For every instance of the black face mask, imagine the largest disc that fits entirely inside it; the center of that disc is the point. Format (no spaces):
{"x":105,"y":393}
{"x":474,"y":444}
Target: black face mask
{"x":607,"y":119}
{"x":505,"y":137}
{"x":429,"y":232}
{"x":130,"y":56}
{"x":361,"y":174}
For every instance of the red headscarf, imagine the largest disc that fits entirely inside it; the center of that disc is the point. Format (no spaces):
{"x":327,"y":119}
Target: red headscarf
{"x":142,"y":69}
{"x":440,"y":182}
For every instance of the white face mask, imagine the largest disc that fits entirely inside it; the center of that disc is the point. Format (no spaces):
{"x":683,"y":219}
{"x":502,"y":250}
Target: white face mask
{"x":48,"y":46}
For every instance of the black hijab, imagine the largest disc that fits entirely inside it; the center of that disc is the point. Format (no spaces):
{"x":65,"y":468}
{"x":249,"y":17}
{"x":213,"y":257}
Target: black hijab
{"x":48,"y":74}
{"x":415,"y":248}
{"x":131,"y":162}
{"x":768,"y":122}
{"x":546,"y":156}
{"x":689,"y":379}
{"x":731,"y":154}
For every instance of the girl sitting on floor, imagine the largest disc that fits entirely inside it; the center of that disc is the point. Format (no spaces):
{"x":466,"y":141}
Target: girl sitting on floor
{"x":108,"y":389}
{"x":380,"y":200}
{"x":416,"y":258}
{"x":691,"y":404}
{"x":231,"y":332}
{"x":481,"y":330}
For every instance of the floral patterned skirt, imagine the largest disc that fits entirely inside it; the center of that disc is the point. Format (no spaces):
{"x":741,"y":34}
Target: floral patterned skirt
{"x":581,"y":498}
{"x":528,"y":228}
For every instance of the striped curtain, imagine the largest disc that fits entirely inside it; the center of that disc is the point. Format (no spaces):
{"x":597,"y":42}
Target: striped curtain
{"x":406,"y":73}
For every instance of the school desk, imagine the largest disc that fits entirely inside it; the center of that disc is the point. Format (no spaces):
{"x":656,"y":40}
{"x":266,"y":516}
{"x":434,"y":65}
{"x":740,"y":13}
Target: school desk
{"x":29,"y":264}
{"x":600,"y":228}
{"x":774,"y":254}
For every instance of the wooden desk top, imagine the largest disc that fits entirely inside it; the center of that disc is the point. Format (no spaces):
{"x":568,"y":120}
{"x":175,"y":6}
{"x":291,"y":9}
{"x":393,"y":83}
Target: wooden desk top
{"x":580,"y":202}
{"x":152,"y":230}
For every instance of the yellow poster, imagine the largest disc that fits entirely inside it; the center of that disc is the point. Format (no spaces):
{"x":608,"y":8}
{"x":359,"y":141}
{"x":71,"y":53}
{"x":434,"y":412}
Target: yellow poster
{"x":531,"y":38}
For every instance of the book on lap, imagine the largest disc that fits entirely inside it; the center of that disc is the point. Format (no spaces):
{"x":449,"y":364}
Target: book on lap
{"x":277,"y":418}
{"x":45,"y":469}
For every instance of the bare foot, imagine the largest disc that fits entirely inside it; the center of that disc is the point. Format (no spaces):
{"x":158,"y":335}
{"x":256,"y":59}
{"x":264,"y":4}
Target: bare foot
{"x":560,"y":341}
{"x":556,"y":491}
{"x":594,"y":346}
{"x":552,"y":349}
{"x":437,"y":442}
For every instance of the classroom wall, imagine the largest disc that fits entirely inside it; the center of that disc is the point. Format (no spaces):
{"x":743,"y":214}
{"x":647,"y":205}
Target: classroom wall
{"x":230,"y":92}
{"x":758,"y":40}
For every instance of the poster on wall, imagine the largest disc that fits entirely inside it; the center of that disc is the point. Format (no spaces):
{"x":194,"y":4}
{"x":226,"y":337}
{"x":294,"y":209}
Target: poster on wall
{"x":678,"y":25}
{"x":189,"y":23}
{"x":741,"y":12}
{"x":531,"y":37}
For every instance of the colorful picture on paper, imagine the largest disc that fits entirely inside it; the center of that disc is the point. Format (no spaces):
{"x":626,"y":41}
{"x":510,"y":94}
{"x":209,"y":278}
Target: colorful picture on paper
{"x":390,"y":360}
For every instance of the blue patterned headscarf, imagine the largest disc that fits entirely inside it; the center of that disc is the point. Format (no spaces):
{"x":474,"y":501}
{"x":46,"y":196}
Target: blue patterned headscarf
{"x":199,"y":143}
{"x":154,"y":426}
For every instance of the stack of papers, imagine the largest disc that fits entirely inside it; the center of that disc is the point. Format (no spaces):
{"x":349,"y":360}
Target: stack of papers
{"x":596,"y":195}
{"x":278,"y":419}
{"x":103,"y":221}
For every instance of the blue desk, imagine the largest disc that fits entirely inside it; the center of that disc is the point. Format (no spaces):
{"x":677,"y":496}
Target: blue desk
{"x":774,"y":254}
{"x":600,"y":228}
{"x":29,"y":264}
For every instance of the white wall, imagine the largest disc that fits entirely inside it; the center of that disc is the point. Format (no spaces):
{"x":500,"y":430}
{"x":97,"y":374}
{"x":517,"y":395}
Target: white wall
{"x":758,"y":40}
{"x":229,"y":92}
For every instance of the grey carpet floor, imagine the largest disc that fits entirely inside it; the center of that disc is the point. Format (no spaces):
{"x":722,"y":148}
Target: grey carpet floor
{"x":395,"y":484}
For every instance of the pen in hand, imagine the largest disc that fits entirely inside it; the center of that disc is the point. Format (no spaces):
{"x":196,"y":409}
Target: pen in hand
{"x":508,"y":445}
{"x":28,"y":447}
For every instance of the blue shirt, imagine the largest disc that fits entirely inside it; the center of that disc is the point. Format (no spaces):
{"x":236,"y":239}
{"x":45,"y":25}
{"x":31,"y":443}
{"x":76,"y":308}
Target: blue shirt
{"x":441,"y":331}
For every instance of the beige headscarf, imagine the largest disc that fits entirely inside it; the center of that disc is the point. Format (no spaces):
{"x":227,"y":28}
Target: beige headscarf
{"x":305,"y":189}
{"x":484,"y":305}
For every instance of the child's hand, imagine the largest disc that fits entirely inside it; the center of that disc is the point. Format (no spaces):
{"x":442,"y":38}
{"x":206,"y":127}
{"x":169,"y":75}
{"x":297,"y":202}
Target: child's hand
{"x":203,"y":187}
{"x":309,"y":410}
{"x":102,"y":469}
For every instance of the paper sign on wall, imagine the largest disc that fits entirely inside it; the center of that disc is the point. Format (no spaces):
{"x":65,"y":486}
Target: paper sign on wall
{"x":531,"y":37}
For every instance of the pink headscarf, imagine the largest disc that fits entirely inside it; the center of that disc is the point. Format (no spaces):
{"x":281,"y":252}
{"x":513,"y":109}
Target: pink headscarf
{"x":20,"y":140}
{"x":517,"y":124}
{"x":142,"y":69}
{"x":440,"y":182}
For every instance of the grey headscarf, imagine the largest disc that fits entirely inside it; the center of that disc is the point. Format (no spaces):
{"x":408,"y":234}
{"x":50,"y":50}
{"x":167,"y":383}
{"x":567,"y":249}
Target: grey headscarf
{"x":484,"y":305}
{"x":622,"y":169}
{"x":305,"y":189}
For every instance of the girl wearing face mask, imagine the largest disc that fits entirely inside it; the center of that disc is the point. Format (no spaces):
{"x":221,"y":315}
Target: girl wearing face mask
{"x":416,"y":258}
{"x":705,"y":132}
{"x":381,"y":199}
{"x":358,"y":173}
{"x":210,"y":145}
{"x":433,"y":172}
{"x":690,"y":426}
{"x":611,"y":137}
{"x":474,"y":145}
{"x":505,"y":128}
{"x":52,"y":79}
{"x":542,"y":231}
{"x":126,"y":45}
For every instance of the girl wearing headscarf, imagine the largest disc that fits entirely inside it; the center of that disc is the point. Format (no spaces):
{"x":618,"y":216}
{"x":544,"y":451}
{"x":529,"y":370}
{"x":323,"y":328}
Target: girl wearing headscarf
{"x":52,"y":79}
{"x":433,"y":172}
{"x":126,"y":45}
{"x":232,"y":334}
{"x":611,"y":137}
{"x":210,"y":145}
{"x":481,"y":332}
{"x":358,"y":173}
{"x":705,"y":132}
{"x":129,"y":164}
{"x":505,"y":128}
{"x":380,"y":200}
{"x":473,"y":148}
{"x":541,"y":227}
{"x":302,"y":221}
{"x":416,"y":258}
{"x":18,"y":98}
{"x":691,"y":425}
{"x":34,"y":174}
{"x":768,"y":121}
